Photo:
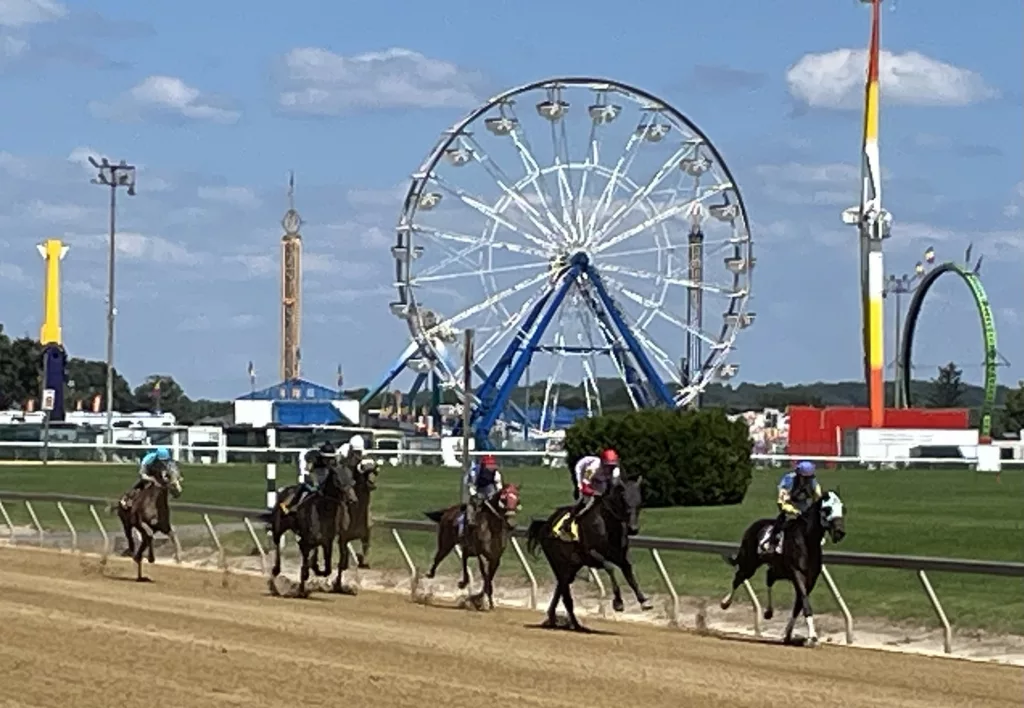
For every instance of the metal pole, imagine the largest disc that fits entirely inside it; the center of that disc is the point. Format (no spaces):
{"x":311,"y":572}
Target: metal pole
{"x":898,"y":401}
{"x":467,"y":387}
{"x":46,"y":413}
{"x":110,"y":315}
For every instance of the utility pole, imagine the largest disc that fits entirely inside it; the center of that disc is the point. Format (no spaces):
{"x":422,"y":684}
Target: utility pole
{"x":899,"y":286}
{"x":112,"y":176}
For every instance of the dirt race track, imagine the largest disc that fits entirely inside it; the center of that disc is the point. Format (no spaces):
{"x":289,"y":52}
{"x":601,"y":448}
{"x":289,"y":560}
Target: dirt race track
{"x":76,"y":635}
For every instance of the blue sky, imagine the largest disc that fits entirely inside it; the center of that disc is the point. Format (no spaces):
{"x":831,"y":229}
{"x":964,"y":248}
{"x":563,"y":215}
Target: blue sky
{"x":197,"y":95}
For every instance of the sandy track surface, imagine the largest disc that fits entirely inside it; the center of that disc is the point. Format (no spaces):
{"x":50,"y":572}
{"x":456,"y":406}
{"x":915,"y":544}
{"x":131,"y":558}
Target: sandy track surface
{"x":75,"y":634}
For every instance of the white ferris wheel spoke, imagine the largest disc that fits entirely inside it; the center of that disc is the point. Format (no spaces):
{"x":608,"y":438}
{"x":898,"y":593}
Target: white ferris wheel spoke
{"x":488,"y":211}
{"x":662,"y":216}
{"x":625,"y":160}
{"x":489,"y":302}
{"x":502,"y":179}
{"x":593,"y":157}
{"x":479,"y":273}
{"x":479,"y":241}
{"x":648,"y":276}
{"x":566,"y":196}
{"x":511,"y":325}
{"x":643,"y":192}
{"x":659,"y":311}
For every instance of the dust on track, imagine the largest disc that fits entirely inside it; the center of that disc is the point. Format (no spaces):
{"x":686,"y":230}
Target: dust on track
{"x":79,"y":634}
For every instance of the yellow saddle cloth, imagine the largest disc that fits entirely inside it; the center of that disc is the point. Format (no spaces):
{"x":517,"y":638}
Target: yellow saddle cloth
{"x":559,"y":530}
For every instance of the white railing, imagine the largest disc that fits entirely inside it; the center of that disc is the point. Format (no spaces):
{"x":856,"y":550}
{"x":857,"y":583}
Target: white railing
{"x":102,"y":452}
{"x":920,"y":565}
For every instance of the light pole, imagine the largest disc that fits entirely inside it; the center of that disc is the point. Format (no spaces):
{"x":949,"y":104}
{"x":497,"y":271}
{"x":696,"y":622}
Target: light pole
{"x":112,"y":176}
{"x":899,"y":286}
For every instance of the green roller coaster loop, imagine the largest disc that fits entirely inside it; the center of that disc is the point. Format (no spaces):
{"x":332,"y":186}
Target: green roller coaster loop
{"x":988,"y":327}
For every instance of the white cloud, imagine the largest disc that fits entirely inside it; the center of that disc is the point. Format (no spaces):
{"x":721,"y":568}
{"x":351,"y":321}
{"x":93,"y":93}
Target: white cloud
{"x":320,"y":82}
{"x":85,"y":289}
{"x":168,"y":96}
{"x":235,"y":196}
{"x":1010,"y":211}
{"x":255,"y":265}
{"x":60,"y":213}
{"x":203,"y":323}
{"x":12,"y":48}
{"x":21,"y":13}
{"x":391,"y":197}
{"x":136,"y":246}
{"x":15,"y":166}
{"x":794,"y":183}
{"x":13,"y":274}
{"x":836,"y":80}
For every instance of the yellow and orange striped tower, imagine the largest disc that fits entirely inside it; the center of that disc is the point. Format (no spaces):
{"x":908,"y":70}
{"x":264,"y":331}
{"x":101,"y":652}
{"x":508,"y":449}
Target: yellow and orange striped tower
{"x":873,"y":222}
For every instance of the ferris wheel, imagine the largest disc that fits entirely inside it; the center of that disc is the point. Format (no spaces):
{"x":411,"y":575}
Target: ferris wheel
{"x":591,"y":236}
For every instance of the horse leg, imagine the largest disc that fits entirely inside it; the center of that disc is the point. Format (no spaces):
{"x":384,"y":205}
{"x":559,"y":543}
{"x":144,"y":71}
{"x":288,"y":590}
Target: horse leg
{"x":147,"y":540}
{"x":306,"y":552}
{"x":464,"y":582}
{"x":492,"y":570}
{"x":445,"y":543}
{"x":803,"y":601}
{"x":567,"y":602}
{"x":362,"y":559}
{"x":627,"y":573}
{"x":328,"y":554}
{"x":343,"y":561}
{"x":275,"y":536}
{"x":746,"y":566}
{"x":129,"y":536}
{"x":769,"y":581}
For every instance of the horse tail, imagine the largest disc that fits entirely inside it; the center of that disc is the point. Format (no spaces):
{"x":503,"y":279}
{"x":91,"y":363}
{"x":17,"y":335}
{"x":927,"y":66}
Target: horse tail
{"x":434,"y":516}
{"x":534,"y":535}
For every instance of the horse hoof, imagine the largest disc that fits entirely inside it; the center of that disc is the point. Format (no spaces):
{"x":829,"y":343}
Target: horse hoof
{"x":811,"y":642}
{"x":646,"y":605}
{"x":143,"y":579}
{"x":363,"y":565}
{"x":579,"y":628}
{"x":618,"y":605}
{"x":549,"y":623}
{"x":769,"y":613}
{"x":724,"y":605}
{"x":463,"y":584}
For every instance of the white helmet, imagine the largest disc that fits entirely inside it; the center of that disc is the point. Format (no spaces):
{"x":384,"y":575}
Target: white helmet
{"x":356,"y":443}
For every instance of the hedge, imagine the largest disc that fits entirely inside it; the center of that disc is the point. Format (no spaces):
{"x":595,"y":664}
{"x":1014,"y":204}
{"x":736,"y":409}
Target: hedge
{"x":687,"y":458}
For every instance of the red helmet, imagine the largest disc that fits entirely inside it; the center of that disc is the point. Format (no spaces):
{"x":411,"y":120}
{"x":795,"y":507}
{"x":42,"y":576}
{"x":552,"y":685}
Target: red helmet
{"x":489,"y":461}
{"x":609,"y":457}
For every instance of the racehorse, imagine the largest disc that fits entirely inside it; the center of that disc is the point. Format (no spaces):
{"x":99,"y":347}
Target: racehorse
{"x":315,"y":521}
{"x":485,"y":540}
{"x":800,"y":559}
{"x":146,"y":510}
{"x":357,"y":525}
{"x":603,"y":542}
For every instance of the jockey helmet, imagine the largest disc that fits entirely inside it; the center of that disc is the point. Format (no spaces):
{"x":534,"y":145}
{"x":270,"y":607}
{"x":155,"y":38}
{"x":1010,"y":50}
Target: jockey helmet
{"x":805,"y":468}
{"x":356,"y":444}
{"x":489,"y":462}
{"x":163,"y":454}
{"x":327,"y":450}
{"x":609,"y":457}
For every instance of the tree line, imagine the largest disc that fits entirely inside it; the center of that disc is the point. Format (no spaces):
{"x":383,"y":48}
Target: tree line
{"x":21,"y":377}
{"x":21,"y":380}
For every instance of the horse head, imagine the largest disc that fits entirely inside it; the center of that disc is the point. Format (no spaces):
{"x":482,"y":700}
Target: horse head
{"x":172,"y":478}
{"x":508,"y":501}
{"x":366,"y":474}
{"x":831,"y":513}
{"x":624,"y":501}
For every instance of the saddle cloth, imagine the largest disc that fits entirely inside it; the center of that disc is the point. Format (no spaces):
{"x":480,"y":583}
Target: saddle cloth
{"x":764,"y":547}
{"x":557,"y":528}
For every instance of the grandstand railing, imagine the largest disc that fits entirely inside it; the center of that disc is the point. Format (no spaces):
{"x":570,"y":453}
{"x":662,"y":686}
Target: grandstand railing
{"x":921,"y":565}
{"x":31,"y":452}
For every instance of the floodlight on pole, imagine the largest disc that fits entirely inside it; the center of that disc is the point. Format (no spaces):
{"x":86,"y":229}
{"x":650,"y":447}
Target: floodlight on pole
{"x":112,"y":176}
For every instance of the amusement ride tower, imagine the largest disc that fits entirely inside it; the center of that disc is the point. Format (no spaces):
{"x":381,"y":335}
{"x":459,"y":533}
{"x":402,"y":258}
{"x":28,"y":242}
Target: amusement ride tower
{"x":291,"y":288}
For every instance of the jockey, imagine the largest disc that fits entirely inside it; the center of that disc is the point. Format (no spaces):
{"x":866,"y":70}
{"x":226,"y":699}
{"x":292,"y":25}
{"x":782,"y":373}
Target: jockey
{"x":351,"y":453}
{"x":312,"y":463}
{"x":483,"y":481}
{"x":798,"y":489}
{"x":593,"y":476}
{"x":152,"y":466}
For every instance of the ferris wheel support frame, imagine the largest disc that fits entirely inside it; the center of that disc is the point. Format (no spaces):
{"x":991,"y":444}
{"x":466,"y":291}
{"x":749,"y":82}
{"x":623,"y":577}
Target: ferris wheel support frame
{"x":494,"y":398}
{"x":988,"y":327}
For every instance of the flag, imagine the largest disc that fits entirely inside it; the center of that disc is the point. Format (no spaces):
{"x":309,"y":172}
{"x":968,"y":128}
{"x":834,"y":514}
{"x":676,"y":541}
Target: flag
{"x":251,"y":370}
{"x":341,"y":377}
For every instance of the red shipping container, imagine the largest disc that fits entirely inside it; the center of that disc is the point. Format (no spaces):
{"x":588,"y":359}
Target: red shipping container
{"x":817,"y":431}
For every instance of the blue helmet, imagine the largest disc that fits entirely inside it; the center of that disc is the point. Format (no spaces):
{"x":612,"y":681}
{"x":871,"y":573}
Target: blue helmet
{"x":805,"y":468}
{"x":162,"y":453}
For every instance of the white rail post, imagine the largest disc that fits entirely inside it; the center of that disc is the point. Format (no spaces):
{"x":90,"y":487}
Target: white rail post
{"x":35,"y":520}
{"x":834,"y":589}
{"x":103,"y":531}
{"x":221,"y":559}
{"x":529,"y":572}
{"x":947,"y":630}
{"x":71,"y":527}
{"x":668,"y":585}
{"x":405,"y":556}
{"x":602,"y":606}
{"x":757,"y":607}
{"x":7,"y":520}
{"x":256,"y":541}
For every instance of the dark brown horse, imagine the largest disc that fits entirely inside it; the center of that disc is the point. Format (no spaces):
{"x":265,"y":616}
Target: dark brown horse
{"x":485,"y":540}
{"x":146,"y":510}
{"x":315,"y":521}
{"x":357,"y":525}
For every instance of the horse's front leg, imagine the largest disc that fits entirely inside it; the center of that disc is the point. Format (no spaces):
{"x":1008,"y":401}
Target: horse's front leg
{"x":305,"y":551}
{"x":363,"y":557}
{"x":173,"y":535}
{"x":328,"y":554}
{"x":129,"y":536}
{"x":492,"y":570}
{"x":343,"y":561}
{"x":627,"y":573}
{"x":801,"y":602}
{"x":464,"y":556}
{"x":144,"y":545}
